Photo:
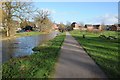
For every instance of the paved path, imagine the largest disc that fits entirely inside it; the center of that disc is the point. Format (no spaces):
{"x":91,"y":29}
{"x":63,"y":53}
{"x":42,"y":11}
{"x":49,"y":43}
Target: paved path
{"x":74,"y":62}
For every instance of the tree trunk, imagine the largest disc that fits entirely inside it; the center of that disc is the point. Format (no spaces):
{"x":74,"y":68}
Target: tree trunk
{"x":8,"y":29}
{"x":83,"y":36}
{"x":8,"y":33}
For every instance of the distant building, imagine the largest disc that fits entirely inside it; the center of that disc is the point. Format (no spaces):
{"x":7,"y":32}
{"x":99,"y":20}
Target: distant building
{"x":108,"y":27}
{"x":115,"y":27}
{"x":98,"y":27}
{"x":75,"y":26}
{"x":90,"y":28}
{"x":118,"y":27}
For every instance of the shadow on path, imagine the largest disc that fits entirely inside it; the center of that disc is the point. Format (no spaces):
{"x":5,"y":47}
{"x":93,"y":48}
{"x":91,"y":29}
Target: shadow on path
{"x":74,"y":62}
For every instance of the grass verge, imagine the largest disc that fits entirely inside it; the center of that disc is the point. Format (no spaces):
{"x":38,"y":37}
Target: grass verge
{"x":38,"y":65}
{"x":23,"y":34}
{"x":27,"y":34}
{"x":103,"y":51}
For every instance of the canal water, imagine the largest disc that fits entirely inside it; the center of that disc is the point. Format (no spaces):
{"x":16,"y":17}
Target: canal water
{"x":22,"y":46}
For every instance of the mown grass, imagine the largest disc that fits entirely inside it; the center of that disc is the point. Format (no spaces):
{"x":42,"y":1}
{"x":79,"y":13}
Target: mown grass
{"x":38,"y":65}
{"x":27,"y":34}
{"x":103,"y":51}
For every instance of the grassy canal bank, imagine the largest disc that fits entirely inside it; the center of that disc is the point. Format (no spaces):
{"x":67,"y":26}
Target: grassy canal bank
{"x":23,"y":34}
{"x":103,"y":51}
{"x":28,"y":34}
{"x":38,"y":65}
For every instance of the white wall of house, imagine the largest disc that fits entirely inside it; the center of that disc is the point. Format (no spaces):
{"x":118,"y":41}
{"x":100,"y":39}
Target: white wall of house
{"x":76,"y":27}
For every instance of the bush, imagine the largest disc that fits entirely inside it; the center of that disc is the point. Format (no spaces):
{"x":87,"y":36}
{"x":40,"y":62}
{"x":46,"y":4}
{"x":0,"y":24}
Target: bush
{"x":102,"y":36}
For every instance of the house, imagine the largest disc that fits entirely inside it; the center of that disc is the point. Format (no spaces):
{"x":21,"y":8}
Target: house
{"x":92,"y":28}
{"x":89,"y":27}
{"x":75,"y":26}
{"x":118,"y":27}
{"x":97,"y":27}
{"x":83,"y":29}
{"x":115,"y":27}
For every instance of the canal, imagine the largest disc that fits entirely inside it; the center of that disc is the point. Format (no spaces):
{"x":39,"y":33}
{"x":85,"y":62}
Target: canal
{"x":22,"y":46}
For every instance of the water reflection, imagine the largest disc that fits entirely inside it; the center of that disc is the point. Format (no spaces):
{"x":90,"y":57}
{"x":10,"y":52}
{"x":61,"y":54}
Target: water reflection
{"x":22,"y":46}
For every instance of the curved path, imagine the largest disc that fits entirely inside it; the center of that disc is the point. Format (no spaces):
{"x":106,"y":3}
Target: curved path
{"x":74,"y":62}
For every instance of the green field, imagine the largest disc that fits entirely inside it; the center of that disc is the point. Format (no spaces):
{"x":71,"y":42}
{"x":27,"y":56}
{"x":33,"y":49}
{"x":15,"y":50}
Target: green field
{"x":38,"y":65}
{"x":103,"y":51}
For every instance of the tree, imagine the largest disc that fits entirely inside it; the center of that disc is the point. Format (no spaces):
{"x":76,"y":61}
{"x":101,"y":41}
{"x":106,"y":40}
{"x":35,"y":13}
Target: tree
{"x":14,"y":10}
{"x":73,"y":24}
{"x":42,"y":18}
{"x":81,"y":24}
{"x":70,"y":26}
{"x":61,"y":27}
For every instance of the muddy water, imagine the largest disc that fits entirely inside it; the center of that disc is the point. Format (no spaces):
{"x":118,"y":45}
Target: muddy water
{"x":22,"y":46}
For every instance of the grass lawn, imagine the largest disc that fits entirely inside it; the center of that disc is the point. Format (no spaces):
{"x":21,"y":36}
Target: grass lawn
{"x":103,"y":51}
{"x":27,"y":34}
{"x":38,"y":65}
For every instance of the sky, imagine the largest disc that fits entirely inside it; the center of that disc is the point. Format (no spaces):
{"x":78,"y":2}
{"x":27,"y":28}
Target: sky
{"x":68,"y":0}
{"x":81,"y":12}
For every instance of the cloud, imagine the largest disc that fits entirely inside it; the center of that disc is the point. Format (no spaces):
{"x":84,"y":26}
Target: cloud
{"x":106,"y":19}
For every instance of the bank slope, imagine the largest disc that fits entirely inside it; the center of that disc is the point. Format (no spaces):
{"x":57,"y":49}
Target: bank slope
{"x":38,"y":65}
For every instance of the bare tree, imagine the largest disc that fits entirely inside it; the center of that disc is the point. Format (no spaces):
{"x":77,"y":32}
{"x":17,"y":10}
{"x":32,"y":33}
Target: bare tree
{"x":61,"y":27}
{"x":43,"y":20}
{"x":69,"y":27}
{"x":14,"y":10}
{"x":81,"y":24}
{"x":68,"y":23}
